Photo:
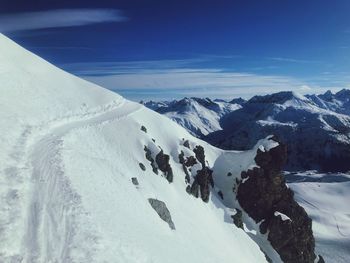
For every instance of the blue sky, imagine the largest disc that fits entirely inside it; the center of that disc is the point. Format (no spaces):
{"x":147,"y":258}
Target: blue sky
{"x":169,"y":49}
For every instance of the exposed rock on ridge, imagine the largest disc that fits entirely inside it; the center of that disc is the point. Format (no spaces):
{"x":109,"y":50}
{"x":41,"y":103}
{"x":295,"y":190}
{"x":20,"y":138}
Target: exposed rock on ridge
{"x":264,"y":192}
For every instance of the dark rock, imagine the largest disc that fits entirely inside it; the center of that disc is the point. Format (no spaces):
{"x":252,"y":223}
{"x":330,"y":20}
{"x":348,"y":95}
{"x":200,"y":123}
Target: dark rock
{"x":202,"y":182}
{"x":264,"y":193}
{"x":148,"y":154}
{"x":162,"y":210}
{"x":188,"y":189}
{"x":195,"y":189}
{"x":320,"y":259}
{"x":187,"y":175}
{"x":199,"y":151}
{"x":153,"y":140}
{"x":142,"y":166}
{"x":184,"y":168}
{"x":162,"y":161}
{"x":204,"y":177}
{"x":264,"y":227}
{"x":143,"y":128}
{"x":187,"y":144}
{"x":190,"y":161}
{"x":182,"y":157}
{"x":229,"y":174}
{"x":237,"y":218}
{"x":221,"y":195}
{"x":134,"y":181}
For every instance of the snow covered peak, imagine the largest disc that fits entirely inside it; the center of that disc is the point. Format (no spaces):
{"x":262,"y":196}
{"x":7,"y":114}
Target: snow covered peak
{"x":199,"y":116}
{"x":154,"y":105}
{"x":239,"y":101}
{"x":278,"y":98}
{"x":328,"y":95}
{"x":338,"y":102}
{"x":343,"y":94}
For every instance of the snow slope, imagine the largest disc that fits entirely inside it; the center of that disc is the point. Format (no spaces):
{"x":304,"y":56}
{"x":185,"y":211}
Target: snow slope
{"x":69,"y":152}
{"x":199,"y":116}
{"x":325,"y":198}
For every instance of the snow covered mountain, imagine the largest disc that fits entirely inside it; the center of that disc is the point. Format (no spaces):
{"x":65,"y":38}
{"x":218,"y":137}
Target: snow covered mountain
{"x":316,"y":129}
{"x":199,"y":116}
{"x":338,"y":102}
{"x":87,"y":176}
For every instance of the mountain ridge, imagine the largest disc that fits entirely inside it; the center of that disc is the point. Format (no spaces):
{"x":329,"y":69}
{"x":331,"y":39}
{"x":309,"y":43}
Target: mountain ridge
{"x":321,"y":122}
{"x":77,"y":182}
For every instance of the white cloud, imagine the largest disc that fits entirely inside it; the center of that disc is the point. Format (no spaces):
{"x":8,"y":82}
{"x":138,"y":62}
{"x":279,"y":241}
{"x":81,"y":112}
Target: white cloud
{"x":199,"y":82}
{"x":58,"y":18}
{"x":177,"y":78}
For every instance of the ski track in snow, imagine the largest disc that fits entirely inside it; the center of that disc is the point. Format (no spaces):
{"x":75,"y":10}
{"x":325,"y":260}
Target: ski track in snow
{"x":54,"y":209}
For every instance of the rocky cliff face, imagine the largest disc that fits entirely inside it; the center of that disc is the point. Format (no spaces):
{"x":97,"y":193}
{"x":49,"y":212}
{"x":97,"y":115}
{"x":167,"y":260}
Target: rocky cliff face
{"x":264,"y":195}
{"x":261,"y":192}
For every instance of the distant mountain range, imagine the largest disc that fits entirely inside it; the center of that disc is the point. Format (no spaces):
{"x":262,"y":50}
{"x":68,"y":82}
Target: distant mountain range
{"x":199,"y":116}
{"x":316,"y":128}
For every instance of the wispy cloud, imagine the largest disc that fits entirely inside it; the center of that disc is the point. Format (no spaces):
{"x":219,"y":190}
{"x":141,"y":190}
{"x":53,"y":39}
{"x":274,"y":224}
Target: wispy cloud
{"x":130,"y":67}
{"x":211,"y":80}
{"x":291,"y":60}
{"x":175,"y":82}
{"x":58,"y":18}
{"x":164,"y":79}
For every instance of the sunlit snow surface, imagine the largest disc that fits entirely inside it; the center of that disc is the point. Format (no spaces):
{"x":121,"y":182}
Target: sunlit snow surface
{"x":68,"y":152}
{"x":326,"y":199}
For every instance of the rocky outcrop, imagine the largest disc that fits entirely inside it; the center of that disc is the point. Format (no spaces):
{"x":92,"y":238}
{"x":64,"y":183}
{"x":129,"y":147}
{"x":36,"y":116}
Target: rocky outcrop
{"x":144,"y":129}
{"x":134,"y":181}
{"x":202,"y":183}
{"x":184,"y":168}
{"x":204,"y":177}
{"x":190,"y":161}
{"x":142,"y":166}
{"x":187,"y":144}
{"x":162,"y":161}
{"x":162,"y":210}
{"x":237,"y":218}
{"x":199,"y":151}
{"x":264,"y":195}
{"x":148,"y":154}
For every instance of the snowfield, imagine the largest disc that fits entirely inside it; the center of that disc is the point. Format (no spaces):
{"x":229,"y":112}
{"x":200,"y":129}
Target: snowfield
{"x":69,"y":152}
{"x":326,"y":197}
